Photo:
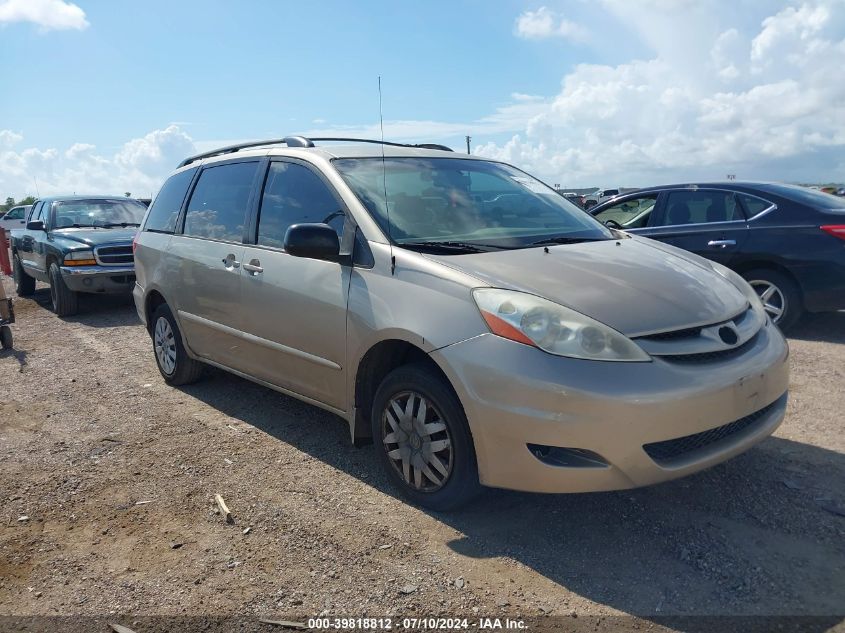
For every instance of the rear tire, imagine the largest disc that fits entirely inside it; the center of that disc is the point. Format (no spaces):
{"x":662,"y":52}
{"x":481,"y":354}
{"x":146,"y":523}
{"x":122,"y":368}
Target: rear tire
{"x":65,"y":301}
{"x":173,"y":362}
{"x":6,"y":339}
{"x":428,"y":452}
{"x":780,"y":296}
{"x":24,"y":284}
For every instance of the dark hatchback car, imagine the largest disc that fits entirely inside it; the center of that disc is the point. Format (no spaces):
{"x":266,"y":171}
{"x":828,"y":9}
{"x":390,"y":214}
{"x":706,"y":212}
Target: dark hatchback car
{"x":787,"y":241}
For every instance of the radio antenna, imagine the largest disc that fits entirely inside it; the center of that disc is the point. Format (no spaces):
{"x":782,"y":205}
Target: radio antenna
{"x":384,"y":181}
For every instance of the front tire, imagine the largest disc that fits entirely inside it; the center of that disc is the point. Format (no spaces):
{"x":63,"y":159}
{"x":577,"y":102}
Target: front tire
{"x":65,"y":301}
{"x":24,"y":284}
{"x":173,"y":362}
{"x":779,"y":294}
{"x":423,"y":440}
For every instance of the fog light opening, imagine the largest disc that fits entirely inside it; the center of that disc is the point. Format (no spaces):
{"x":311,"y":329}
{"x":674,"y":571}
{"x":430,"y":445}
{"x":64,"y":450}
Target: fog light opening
{"x":567,"y":457}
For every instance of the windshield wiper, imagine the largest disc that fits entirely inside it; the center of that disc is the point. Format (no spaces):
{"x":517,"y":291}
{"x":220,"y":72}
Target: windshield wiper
{"x":568,"y":240}
{"x":123,"y":224}
{"x":465,"y":247}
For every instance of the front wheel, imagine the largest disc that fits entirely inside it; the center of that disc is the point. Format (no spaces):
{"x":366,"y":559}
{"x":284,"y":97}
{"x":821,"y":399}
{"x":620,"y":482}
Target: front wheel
{"x":174,"y":364}
{"x":779,"y":294}
{"x":423,"y":440}
{"x":65,"y":301}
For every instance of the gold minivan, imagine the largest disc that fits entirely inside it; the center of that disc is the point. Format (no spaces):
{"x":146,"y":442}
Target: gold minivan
{"x":475,"y":325}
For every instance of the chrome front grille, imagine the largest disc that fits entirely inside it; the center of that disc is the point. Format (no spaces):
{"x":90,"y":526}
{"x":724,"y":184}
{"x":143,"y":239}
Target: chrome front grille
{"x":114,"y":255}
{"x":707,"y":343}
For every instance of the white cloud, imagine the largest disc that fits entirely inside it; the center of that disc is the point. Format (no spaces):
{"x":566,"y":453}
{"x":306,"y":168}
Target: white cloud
{"x":545,"y":23}
{"x":712,"y":100}
{"x":47,"y":14}
{"x":140,"y":166}
{"x":782,"y":31}
{"x":9,"y":138}
{"x":506,"y":118}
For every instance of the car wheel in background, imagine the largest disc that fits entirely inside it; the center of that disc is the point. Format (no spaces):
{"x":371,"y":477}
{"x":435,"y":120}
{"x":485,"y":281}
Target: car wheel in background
{"x":65,"y":301}
{"x":422,"y":437}
{"x":174,"y":364}
{"x":779,"y":294}
{"x":24,"y":284}
{"x":6,"y":339}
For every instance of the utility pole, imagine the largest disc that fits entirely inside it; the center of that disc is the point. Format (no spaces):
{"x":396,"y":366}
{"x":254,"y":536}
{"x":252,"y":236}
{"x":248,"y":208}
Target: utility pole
{"x":469,"y":138}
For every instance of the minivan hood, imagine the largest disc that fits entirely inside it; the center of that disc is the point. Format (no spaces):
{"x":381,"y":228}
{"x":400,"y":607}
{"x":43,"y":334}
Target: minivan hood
{"x":632,"y":285}
{"x":95,"y":237}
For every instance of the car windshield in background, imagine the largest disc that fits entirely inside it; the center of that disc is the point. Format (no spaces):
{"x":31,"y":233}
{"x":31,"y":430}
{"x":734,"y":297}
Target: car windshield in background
{"x":464,"y":204}
{"x":630,"y":213}
{"x":102,"y":213}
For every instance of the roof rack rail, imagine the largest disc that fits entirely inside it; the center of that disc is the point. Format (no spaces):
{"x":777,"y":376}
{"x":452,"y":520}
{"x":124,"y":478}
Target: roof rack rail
{"x":290,"y":141}
{"x":301,"y":141}
{"x":378,"y":142}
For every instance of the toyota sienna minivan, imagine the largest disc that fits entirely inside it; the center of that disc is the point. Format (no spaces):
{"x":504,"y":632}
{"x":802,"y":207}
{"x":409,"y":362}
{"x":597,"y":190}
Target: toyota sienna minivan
{"x":477,"y":327}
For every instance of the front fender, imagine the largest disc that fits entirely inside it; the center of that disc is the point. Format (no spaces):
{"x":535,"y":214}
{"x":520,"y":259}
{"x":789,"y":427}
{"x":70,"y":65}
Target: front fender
{"x":418,"y":301}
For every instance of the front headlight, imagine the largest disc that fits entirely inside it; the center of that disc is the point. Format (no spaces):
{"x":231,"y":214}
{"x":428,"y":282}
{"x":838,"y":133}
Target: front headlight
{"x":535,"y":321}
{"x":80,"y":258}
{"x":743,"y":286}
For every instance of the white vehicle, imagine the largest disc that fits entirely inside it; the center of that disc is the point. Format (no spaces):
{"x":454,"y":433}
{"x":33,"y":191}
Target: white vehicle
{"x":14,"y":218}
{"x":600,"y":196}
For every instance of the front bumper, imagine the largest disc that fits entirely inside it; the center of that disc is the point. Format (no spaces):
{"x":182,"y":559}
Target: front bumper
{"x":515,"y":396}
{"x":99,"y":279}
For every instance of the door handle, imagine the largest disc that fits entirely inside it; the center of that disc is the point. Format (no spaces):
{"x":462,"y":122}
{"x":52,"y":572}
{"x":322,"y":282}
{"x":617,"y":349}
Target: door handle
{"x":254,"y":267}
{"x":230,"y":262}
{"x":722,"y":243}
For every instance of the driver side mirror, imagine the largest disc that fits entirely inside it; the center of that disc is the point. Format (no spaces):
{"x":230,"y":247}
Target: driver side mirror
{"x":315,"y":241}
{"x":35,"y":225}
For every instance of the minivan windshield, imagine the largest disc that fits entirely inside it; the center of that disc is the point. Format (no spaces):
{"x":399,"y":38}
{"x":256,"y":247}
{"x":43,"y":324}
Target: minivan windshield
{"x":459,"y":204}
{"x":101,"y":213}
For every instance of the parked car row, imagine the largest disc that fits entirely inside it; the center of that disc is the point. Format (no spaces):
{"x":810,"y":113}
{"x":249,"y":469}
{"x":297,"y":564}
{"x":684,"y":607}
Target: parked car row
{"x":477,"y":327}
{"x":589,"y":200}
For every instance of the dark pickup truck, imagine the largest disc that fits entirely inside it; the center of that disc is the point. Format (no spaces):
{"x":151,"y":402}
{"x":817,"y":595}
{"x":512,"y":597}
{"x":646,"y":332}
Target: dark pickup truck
{"x":77,"y":244}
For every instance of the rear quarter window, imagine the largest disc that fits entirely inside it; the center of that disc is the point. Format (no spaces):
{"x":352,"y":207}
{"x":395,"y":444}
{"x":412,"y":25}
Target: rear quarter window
{"x":164,"y":211}
{"x":810,"y":197}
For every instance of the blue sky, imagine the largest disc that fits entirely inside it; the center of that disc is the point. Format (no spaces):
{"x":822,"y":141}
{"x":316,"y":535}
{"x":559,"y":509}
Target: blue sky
{"x":244,"y":69}
{"x":608,"y":92}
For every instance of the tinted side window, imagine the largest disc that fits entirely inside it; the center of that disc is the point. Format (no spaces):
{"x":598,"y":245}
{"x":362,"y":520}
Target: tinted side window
{"x":293,"y":194}
{"x":167,"y":204}
{"x":218,"y":206}
{"x":15,"y":214}
{"x":754,"y":205}
{"x":700,"y":207}
{"x":33,"y":212}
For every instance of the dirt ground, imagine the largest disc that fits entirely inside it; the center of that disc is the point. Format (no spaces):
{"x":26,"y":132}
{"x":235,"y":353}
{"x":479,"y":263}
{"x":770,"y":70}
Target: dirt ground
{"x":107,"y":478}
